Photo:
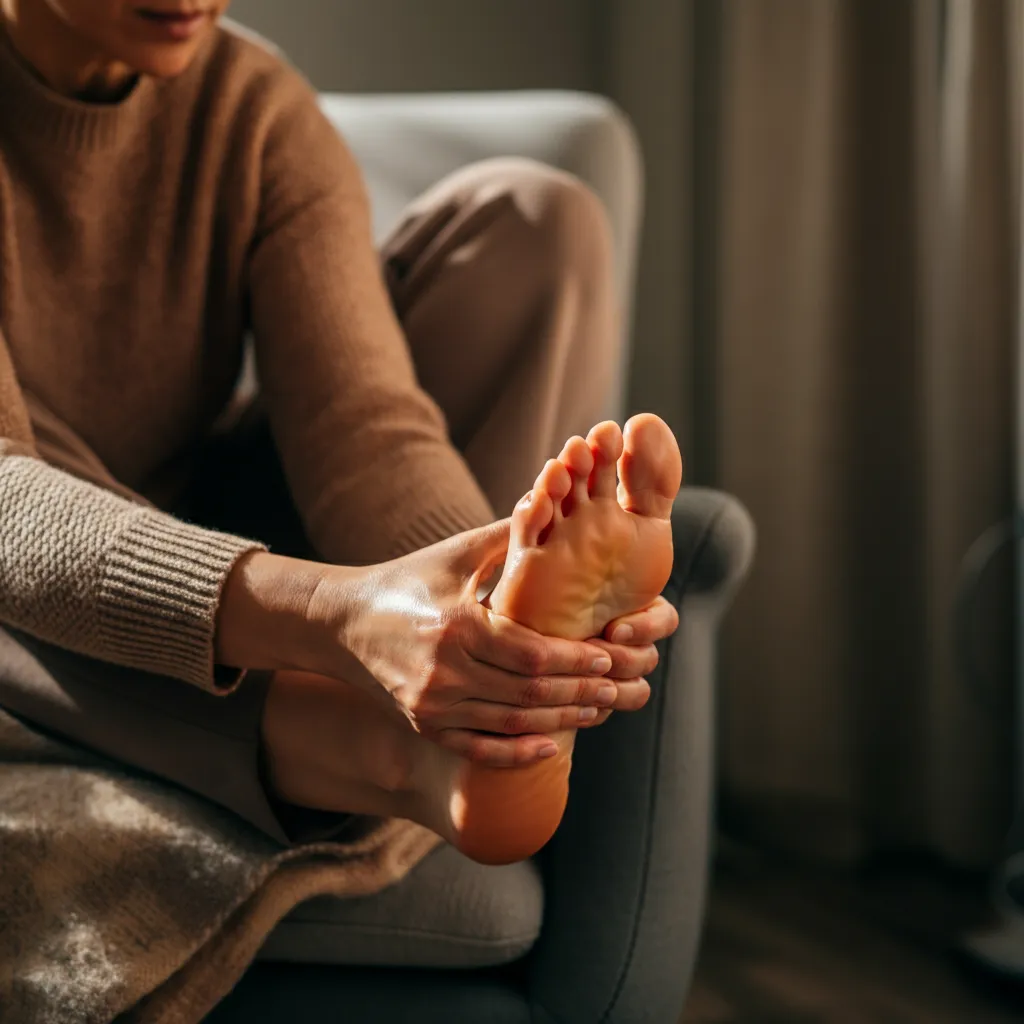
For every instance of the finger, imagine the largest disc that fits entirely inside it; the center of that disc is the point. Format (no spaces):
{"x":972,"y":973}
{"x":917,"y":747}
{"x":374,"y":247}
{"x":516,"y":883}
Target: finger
{"x":495,"y":751}
{"x":496,"y":640}
{"x":602,"y":717}
{"x":499,"y":687}
{"x":653,"y":623}
{"x":633,"y":695}
{"x":629,"y":662}
{"x":506,"y":720}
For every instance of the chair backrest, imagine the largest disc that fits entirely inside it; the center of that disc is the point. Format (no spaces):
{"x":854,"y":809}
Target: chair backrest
{"x":406,"y":143}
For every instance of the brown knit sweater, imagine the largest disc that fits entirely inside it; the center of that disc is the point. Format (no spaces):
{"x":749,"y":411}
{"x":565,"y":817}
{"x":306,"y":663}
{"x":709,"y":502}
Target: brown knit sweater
{"x":139,"y":242}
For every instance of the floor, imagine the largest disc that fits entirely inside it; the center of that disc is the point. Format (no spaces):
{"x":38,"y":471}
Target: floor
{"x":785,"y":946}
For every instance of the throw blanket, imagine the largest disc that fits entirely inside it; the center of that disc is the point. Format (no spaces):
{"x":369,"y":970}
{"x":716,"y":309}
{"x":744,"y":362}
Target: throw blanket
{"x":120,"y":895}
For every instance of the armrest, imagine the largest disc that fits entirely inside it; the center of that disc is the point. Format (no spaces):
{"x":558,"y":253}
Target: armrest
{"x":626,"y":874}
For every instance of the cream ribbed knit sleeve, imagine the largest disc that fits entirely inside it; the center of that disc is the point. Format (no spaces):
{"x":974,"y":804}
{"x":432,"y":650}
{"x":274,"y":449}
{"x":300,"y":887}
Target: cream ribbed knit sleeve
{"x":92,"y":572}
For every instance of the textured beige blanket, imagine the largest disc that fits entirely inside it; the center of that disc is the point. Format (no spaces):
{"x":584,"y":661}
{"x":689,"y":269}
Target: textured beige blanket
{"x":120,"y":895}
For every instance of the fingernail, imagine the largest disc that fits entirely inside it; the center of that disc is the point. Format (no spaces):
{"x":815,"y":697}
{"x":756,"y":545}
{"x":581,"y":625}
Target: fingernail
{"x":588,"y":714}
{"x":548,"y":751}
{"x":601,"y":665}
{"x":622,"y":634}
{"x":606,"y":695}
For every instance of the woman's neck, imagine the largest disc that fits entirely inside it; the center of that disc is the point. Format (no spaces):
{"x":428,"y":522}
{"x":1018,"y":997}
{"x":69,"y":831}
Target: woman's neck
{"x":59,"y":57}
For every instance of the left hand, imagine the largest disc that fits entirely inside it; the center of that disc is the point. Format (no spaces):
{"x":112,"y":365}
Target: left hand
{"x":635,"y":656}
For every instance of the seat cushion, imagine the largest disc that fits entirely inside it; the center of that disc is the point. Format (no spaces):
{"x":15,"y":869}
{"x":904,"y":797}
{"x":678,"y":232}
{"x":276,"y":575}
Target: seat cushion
{"x":448,"y":912}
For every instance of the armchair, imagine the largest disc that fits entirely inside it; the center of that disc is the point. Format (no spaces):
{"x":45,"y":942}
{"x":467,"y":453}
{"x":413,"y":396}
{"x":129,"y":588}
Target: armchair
{"x":602,"y":926}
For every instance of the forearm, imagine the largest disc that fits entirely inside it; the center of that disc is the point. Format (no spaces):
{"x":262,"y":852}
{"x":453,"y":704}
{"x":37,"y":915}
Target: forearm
{"x":366,"y":450}
{"x":267,"y":616}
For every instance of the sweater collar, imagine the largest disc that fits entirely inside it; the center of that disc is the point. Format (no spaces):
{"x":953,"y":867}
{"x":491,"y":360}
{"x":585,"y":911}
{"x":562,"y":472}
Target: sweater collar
{"x":72,"y":124}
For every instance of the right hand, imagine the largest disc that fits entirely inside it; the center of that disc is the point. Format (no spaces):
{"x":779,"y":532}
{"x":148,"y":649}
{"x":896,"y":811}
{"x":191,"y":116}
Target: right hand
{"x":475,"y":682}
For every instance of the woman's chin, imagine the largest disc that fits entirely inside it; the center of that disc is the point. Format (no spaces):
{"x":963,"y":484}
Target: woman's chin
{"x":164,"y":62}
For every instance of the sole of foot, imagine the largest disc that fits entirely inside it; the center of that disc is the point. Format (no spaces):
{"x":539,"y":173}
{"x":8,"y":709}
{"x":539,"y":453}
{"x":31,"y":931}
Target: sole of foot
{"x":591,"y":541}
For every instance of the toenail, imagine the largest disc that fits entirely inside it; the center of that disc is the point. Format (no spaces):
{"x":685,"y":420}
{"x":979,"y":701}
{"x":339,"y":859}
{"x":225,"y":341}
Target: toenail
{"x":588,"y":714}
{"x":606,"y":695}
{"x":601,"y":665}
{"x":622,"y":634}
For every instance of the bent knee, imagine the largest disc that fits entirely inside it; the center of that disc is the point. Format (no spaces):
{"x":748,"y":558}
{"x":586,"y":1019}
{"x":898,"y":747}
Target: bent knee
{"x":560,"y":215}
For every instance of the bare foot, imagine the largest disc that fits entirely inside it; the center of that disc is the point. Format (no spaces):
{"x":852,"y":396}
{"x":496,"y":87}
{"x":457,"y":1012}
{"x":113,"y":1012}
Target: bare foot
{"x":583,"y":551}
{"x":586,"y":547}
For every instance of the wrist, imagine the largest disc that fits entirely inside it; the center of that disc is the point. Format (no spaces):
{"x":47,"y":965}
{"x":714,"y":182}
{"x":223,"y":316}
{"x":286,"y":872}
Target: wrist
{"x":265,"y":619}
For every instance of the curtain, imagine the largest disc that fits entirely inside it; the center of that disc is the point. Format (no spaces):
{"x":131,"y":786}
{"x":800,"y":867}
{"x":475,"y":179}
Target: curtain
{"x":827,"y":315}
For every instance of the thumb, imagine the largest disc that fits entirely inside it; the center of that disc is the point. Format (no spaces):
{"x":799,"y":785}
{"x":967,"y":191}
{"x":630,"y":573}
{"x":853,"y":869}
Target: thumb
{"x":480,"y":550}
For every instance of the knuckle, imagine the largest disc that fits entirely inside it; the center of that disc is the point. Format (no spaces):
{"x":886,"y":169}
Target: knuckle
{"x":516,"y":722}
{"x":477,"y":748}
{"x":534,"y":659}
{"x":537,"y":692}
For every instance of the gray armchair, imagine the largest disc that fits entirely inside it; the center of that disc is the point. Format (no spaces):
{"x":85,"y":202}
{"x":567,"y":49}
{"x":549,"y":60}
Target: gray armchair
{"x":603,"y":925}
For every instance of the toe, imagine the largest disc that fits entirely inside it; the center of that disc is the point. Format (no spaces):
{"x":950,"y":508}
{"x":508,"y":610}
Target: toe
{"x":579,"y":460}
{"x":555,"y":481}
{"x":650,"y":469}
{"x":531,"y":517}
{"x":605,"y":443}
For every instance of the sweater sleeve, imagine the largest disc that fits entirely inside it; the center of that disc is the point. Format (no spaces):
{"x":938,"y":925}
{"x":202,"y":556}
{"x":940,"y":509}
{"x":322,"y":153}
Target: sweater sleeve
{"x":98,"y":574}
{"x":365,"y":449}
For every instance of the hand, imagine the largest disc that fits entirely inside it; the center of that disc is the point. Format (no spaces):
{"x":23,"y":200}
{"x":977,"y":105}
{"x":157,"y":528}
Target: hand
{"x":454,"y":668}
{"x":634,"y":654}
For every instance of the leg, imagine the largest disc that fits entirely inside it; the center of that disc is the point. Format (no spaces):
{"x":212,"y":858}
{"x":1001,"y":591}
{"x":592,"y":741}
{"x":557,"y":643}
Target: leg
{"x":503,"y":279}
{"x":206,"y":744}
{"x":335,"y":748}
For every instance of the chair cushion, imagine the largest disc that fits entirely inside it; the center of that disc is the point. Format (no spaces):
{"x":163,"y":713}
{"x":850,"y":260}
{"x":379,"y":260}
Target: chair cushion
{"x":448,"y":912}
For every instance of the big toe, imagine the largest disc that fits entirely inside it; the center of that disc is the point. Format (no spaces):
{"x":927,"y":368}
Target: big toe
{"x":650,"y":469}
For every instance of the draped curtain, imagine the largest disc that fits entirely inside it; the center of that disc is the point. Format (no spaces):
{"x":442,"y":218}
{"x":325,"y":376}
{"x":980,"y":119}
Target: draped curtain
{"x":847,"y":236}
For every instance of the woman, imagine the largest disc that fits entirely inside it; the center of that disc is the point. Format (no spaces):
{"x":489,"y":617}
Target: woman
{"x":166,"y":185}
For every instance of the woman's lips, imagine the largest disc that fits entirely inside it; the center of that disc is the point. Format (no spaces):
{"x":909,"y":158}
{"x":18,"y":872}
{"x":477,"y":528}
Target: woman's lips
{"x":177,"y":26}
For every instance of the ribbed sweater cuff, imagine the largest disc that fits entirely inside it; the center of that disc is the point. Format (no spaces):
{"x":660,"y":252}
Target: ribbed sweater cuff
{"x":158,"y":598}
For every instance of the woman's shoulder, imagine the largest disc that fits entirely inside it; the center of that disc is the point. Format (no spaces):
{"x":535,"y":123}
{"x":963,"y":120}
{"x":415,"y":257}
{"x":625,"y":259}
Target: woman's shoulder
{"x":244,"y":70}
{"x":265,"y":118}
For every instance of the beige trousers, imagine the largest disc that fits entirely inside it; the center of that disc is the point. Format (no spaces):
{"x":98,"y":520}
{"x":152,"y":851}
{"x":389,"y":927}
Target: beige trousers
{"x":502,"y":277}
